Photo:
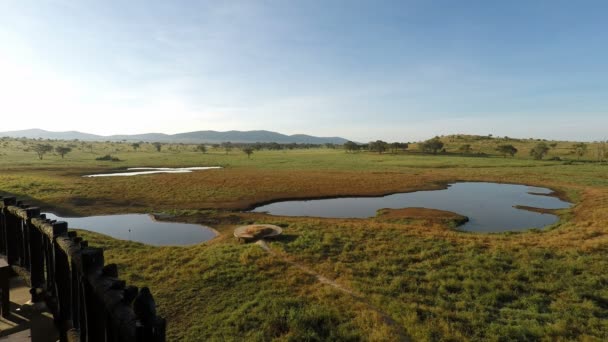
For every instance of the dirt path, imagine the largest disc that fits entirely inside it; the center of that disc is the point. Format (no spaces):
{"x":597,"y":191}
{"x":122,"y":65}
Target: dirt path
{"x":324,"y":280}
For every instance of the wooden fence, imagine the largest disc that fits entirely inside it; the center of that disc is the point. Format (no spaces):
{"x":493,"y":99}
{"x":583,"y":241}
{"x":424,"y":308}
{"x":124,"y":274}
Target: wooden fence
{"x":87,"y":299}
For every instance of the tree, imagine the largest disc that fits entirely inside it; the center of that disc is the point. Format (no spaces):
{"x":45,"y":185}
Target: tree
{"x":466,"y":149}
{"x":227,"y":146}
{"x":350,"y":146}
{"x":274,"y":146}
{"x":432,"y":145}
{"x":62,"y":150}
{"x":398,"y":146}
{"x":378,"y":146}
{"x":506,"y":150}
{"x":602,"y":151}
{"x":158,"y":146}
{"x":248,"y":151}
{"x":135,"y":146}
{"x":42,"y":149}
{"x":579,"y":149}
{"x":539,"y":151}
{"x":202,"y":148}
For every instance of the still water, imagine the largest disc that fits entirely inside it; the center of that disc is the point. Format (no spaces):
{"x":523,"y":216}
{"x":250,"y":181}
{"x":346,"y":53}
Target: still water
{"x":489,"y":206}
{"x":141,"y":228}
{"x":136,"y":171}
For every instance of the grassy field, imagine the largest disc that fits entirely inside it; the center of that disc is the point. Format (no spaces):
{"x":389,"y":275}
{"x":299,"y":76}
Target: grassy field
{"x":378,"y":279}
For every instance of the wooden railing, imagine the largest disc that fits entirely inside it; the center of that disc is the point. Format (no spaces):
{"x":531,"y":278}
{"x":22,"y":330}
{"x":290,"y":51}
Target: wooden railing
{"x":85,"y":296}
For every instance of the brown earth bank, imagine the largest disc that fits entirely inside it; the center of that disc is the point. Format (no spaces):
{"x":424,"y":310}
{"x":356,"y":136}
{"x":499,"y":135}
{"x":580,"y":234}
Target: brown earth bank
{"x":241,"y":189}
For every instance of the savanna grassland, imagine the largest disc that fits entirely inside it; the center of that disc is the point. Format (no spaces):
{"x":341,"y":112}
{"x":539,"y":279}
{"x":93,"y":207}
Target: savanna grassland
{"x":396,"y":276}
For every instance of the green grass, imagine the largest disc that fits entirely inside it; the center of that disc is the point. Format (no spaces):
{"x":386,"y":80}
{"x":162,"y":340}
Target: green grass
{"x":417,"y":278}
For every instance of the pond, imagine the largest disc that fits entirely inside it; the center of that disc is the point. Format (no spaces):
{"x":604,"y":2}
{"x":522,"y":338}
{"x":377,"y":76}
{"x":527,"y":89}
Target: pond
{"x":135,"y":171}
{"x":490,"y":207}
{"x":141,"y":228}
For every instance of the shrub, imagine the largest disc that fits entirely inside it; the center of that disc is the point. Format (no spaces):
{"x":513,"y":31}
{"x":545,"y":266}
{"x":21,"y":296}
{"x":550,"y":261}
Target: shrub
{"x":108,"y":157}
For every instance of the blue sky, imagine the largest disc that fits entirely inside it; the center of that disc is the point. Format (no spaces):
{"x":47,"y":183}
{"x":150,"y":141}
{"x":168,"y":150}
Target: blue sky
{"x":393,"y":70}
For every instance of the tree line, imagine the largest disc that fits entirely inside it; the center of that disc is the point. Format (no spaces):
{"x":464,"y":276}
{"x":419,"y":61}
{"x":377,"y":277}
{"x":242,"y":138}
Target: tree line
{"x":431,"y":146}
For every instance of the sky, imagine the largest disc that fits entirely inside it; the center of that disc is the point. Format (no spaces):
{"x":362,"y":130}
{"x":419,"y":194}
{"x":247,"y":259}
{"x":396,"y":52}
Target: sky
{"x":364,"y":70}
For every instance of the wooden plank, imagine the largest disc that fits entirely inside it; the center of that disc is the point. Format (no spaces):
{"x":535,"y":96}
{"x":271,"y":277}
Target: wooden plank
{"x":5,"y":274}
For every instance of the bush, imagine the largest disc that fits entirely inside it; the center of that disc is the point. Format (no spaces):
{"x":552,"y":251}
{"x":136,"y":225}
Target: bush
{"x":108,"y":157}
{"x":431,"y":146}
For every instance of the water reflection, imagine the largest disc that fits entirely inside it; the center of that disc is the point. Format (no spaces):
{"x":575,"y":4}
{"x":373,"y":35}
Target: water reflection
{"x":489,"y":206}
{"x":141,"y":228}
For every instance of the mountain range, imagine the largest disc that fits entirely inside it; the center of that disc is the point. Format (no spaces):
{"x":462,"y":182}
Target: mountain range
{"x":189,"y":137}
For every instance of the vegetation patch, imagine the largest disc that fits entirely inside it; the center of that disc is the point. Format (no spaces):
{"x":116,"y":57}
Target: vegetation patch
{"x":421,"y":214}
{"x":404,"y":274}
{"x":108,"y":157}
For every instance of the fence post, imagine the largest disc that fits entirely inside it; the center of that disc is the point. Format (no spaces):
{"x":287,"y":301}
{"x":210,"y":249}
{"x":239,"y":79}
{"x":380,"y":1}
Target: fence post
{"x":2,"y":228}
{"x":36,"y":254}
{"x":12,"y":232}
{"x":92,"y":266}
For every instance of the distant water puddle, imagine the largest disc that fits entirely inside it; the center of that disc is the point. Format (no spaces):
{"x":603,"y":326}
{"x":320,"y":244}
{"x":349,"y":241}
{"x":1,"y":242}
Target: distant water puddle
{"x":141,"y":228}
{"x":135,"y":171}
{"x":490,"y":207}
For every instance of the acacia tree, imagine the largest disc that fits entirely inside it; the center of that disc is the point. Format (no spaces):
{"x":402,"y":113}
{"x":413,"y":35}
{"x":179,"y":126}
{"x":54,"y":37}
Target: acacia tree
{"x":350,"y":146}
{"x":398,"y":146}
{"x":539,"y":151}
{"x":432,"y":145}
{"x":602,"y":151}
{"x":62,"y":150}
{"x":158,"y":146}
{"x":579,"y":149}
{"x":202,"y":148}
{"x":506,"y":150}
{"x":378,"y":146}
{"x":42,"y":149}
{"x":248,"y":151}
{"x":227,"y":146}
{"x":135,"y":146}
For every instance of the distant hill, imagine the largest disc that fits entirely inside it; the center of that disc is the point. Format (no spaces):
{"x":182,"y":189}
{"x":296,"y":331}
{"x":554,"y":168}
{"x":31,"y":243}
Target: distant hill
{"x":189,"y":137}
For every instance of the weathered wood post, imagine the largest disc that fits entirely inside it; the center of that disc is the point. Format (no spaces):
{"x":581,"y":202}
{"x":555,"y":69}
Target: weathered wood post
{"x":19,"y":233}
{"x":53,"y":230}
{"x":92,"y":264}
{"x":63,"y":286}
{"x":5,"y":270}
{"x":153,"y":332}
{"x":4,"y":288}
{"x":2,"y":228}
{"x":36,"y":256}
{"x":12,"y":254}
